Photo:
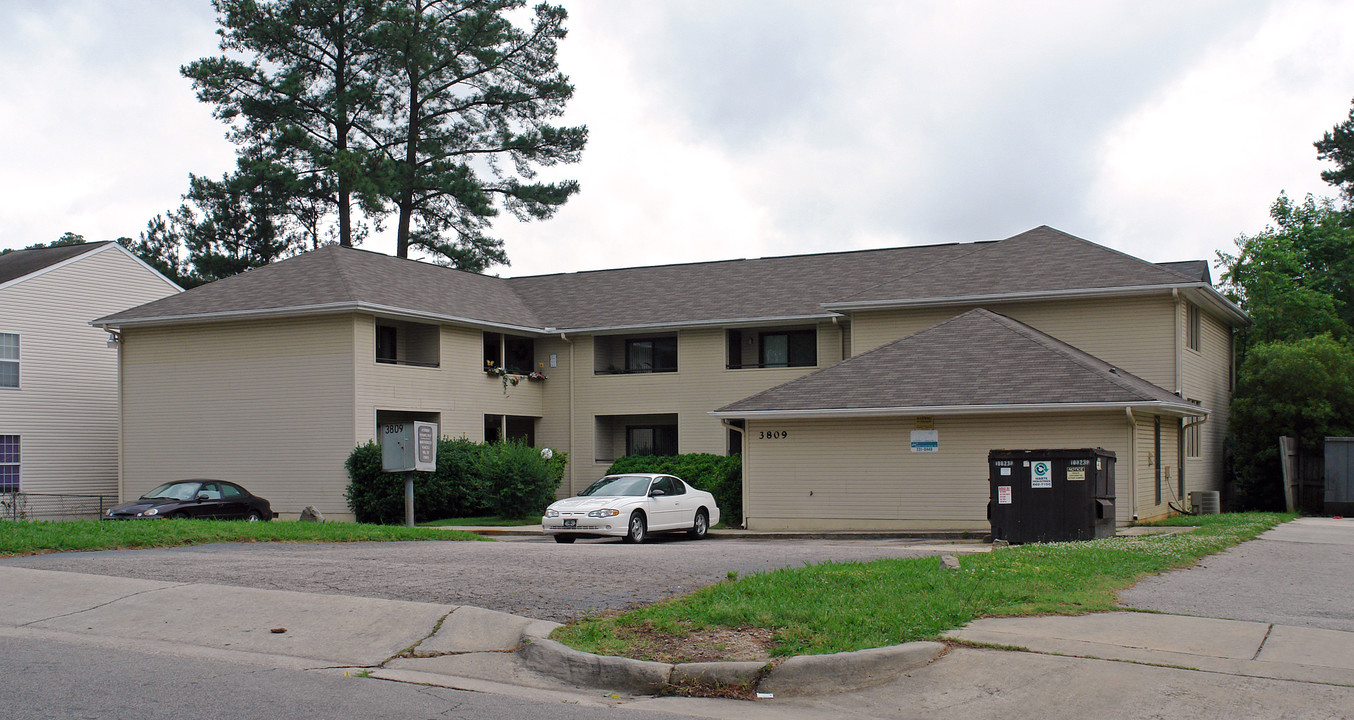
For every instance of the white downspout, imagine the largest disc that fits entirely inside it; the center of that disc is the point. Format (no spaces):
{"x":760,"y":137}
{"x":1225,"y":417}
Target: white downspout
{"x":1132,"y":462}
{"x":1175,"y":314}
{"x":743,"y":442}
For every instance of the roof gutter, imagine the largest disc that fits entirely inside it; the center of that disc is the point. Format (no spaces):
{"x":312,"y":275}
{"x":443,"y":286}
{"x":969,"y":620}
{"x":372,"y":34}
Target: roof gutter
{"x":1218,"y":302}
{"x":308,"y":310}
{"x":697,"y":324}
{"x":1182,"y":409}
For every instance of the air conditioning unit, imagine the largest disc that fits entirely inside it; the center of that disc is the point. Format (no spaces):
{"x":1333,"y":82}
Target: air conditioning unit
{"x":1205,"y":502}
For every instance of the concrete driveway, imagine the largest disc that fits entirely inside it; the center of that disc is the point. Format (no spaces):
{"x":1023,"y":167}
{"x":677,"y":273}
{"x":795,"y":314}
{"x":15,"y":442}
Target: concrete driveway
{"x":534,"y":578}
{"x":1300,"y":573}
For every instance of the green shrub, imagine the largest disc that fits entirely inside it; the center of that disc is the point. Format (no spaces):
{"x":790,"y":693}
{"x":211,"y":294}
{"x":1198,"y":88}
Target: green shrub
{"x":472,"y":479}
{"x":719,"y":475}
{"x":519,"y":480}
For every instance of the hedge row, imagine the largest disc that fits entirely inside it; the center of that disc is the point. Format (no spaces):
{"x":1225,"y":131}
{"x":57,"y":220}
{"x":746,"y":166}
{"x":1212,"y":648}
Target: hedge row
{"x":719,"y":475}
{"x":509,"y":480}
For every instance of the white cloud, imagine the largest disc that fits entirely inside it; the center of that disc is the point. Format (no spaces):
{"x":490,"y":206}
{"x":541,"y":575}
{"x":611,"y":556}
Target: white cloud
{"x":1200,"y":163}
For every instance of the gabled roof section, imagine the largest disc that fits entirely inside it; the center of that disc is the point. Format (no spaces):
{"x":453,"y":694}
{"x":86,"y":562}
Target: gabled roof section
{"x":1196,"y":270}
{"x":339,"y":279}
{"x":1038,"y":263}
{"x":22,"y":263}
{"x":779,"y":288}
{"x":977,"y":362}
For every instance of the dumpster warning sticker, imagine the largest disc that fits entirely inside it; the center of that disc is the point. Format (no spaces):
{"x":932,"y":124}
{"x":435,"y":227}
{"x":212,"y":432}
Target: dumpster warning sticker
{"x":1003,"y":494}
{"x":1076,"y":474}
{"x":1041,"y":474}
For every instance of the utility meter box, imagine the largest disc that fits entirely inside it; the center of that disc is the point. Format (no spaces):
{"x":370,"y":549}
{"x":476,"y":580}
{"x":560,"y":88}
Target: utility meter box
{"x":409,"y":446}
{"x":1051,"y":495}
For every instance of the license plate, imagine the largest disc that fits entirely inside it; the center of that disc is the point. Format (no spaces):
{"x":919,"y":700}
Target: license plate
{"x":570,"y":523}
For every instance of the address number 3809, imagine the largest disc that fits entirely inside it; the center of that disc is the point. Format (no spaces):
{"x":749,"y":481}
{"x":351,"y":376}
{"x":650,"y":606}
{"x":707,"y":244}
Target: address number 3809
{"x":773,"y":434}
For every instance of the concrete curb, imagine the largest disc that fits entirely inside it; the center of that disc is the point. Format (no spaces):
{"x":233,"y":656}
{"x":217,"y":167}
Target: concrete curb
{"x":800,"y":675}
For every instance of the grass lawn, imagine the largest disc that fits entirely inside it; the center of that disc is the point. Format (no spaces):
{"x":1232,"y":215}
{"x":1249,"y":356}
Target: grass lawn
{"x":836,"y":607}
{"x":489,"y":521}
{"x":27,"y":538}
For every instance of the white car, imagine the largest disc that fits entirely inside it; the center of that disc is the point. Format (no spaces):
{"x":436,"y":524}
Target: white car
{"x":631,"y":507}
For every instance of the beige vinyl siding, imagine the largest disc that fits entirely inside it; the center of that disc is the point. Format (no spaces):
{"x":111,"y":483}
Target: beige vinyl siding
{"x":1205,"y":376}
{"x":1148,"y":508}
{"x":835,"y":474}
{"x":268,"y":404}
{"x":1134,"y":333}
{"x":702,"y":383}
{"x":457,"y":390}
{"x":65,"y":410}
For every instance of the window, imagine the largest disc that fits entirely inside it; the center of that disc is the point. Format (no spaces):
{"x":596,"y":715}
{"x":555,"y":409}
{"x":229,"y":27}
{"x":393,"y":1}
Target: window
{"x":620,"y":435}
{"x":230,"y":492}
{"x":9,"y":463}
{"x":386,"y":343}
{"x":518,"y":428}
{"x":668,"y":485}
{"x":405,"y":343}
{"x":515,"y":353}
{"x":651,"y":355}
{"x":619,"y":355}
{"x":772,"y":348}
{"x":651,"y":440}
{"x":1192,"y":322}
{"x":9,"y":360}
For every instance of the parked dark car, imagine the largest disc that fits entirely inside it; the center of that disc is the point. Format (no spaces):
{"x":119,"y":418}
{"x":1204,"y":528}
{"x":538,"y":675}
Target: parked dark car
{"x":204,"y":499}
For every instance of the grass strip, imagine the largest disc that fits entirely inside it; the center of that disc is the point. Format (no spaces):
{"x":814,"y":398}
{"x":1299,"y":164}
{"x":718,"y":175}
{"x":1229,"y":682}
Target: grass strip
{"x":838,"y":607}
{"x":28,"y":538}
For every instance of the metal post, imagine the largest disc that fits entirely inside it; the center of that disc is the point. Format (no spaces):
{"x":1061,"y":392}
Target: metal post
{"x":409,"y":499}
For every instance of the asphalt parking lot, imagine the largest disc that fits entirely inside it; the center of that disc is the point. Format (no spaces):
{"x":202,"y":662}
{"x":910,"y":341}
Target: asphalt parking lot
{"x":534,"y":577}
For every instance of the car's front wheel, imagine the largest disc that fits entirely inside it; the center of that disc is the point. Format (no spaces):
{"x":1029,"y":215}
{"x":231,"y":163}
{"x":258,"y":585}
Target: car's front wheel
{"x":637,"y":529}
{"x":565,"y":539}
{"x":700,"y":527}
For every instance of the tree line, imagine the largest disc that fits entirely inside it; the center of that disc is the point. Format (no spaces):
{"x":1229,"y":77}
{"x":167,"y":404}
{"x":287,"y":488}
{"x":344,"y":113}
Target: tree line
{"x":1295,"y":371}
{"x":431,"y":116}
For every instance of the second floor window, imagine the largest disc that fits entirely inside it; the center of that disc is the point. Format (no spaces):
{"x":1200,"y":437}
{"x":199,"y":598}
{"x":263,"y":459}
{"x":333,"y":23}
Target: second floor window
{"x":651,"y":355}
{"x":619,"y":355}
{"x":772,"y":348}
{"x":516,"y":353}
{"x":407,"y":343}
{"x":9,"y":360}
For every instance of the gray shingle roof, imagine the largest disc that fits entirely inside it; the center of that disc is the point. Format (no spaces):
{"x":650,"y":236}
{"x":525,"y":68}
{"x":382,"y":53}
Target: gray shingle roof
{"x":341,"y":278}
{"x":974,"y":360}
{"x":791,"y":286}
{"x":780,"y":288}
{"x":1041,"y":260}
{"x":14,"y":265}
{"x":1196,"y":270}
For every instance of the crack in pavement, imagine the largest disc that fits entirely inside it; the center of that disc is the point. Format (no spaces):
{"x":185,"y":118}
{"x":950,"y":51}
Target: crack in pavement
{"x":103,"y":604}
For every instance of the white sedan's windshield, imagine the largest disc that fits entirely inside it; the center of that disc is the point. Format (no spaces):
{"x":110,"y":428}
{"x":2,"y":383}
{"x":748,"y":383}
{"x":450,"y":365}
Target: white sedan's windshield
{"x":622,"y":485}
{"x":174,"y":490}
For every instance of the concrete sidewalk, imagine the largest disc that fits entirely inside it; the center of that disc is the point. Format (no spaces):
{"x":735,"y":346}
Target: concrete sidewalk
{"x":1233,"y":647}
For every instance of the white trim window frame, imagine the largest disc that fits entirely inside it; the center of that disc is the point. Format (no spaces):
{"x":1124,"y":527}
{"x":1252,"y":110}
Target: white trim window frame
{"x":9,"y":361}
{"x":11,"y":470}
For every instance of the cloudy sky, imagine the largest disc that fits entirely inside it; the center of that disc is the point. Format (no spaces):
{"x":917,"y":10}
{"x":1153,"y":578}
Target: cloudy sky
{"x":726,"y":128}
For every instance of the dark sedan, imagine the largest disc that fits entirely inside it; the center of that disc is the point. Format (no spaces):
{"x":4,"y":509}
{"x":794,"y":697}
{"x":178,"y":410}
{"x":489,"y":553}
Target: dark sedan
{"x":204,"y":499}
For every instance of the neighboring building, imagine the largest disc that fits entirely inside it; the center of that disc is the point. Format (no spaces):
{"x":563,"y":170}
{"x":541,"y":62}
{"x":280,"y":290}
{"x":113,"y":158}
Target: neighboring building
{"x":271,"y":377}
{"x":58,"y":374}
